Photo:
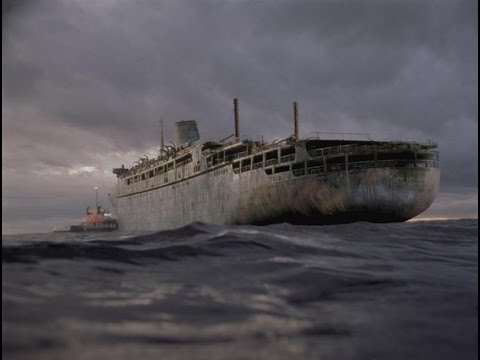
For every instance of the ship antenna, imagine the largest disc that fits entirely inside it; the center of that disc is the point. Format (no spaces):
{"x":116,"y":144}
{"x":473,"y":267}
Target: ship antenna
{"x":161,"y":133}
{"x":96,"y":197}
{"x":295,"y":120}
{"x":236,"y":118}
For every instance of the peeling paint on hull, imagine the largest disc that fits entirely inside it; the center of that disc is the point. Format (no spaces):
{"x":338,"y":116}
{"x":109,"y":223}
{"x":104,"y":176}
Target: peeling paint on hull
{"x":375,"y":195}
{"x":224,"y":197}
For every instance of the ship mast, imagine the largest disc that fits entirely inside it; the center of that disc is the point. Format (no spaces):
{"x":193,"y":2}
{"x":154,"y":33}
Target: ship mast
{"x":236,"y":119}
{"x":161,"y":134}
{"x":295,"y":120}
{"x":96,"y":197}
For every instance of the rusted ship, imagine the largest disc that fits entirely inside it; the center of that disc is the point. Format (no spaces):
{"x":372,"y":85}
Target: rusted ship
{"x":299,"y":181}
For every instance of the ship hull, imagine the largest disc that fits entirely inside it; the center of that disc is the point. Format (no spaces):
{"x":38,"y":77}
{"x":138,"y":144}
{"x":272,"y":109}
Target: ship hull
{"x":221,"y":196}
{"x":374,"y":195}
{"x":81,"y":228}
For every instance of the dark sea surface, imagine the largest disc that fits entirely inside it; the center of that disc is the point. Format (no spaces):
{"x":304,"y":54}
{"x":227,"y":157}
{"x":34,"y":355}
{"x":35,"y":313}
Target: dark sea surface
{"x":358,"y":291}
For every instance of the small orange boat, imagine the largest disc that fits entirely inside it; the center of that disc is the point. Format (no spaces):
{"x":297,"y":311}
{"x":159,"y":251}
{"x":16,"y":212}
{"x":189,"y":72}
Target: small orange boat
{"x":97,"y":219}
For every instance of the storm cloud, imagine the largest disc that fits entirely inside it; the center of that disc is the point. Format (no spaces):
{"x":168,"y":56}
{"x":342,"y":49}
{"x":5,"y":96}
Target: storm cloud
{"x":85,"y":83}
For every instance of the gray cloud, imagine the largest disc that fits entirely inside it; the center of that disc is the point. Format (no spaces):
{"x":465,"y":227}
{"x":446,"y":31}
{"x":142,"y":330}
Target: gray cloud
{"x":86,"y":81}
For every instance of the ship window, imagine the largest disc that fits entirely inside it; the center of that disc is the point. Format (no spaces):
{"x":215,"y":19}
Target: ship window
{"x":143,"y":176}
{"x":183,"y":160}
{"x":150,"y":174}
{"x":298,"y":166}
{"x":258,"y":159}
{"x":404,"y":155}
{"x":314,"y":163}
{"x":246,"y":165}
{"x":426,"y":156}
{"x":246,"y":162}
{"x":268,"y":171}
{"x":236,"y":152}
{"x":287,"y":151}
{"x":236,"y":167}
{"x":361,"y":158}
{"x":280,"y":169}
{"x":169,"y":166}
{"x":271,"y":155}
{"x":337,"y":160}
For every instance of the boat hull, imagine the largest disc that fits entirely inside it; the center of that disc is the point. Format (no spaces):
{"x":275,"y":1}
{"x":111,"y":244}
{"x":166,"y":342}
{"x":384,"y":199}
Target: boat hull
{"x":81,"y":228}
{"x":221,"y":196}
{"x":374,"y":195}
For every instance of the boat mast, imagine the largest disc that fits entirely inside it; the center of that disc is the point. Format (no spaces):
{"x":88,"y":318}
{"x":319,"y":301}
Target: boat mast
{"x":295,"y":120}
{"x":96,"y":197}
{"x":236,"y":119}
{"x":161,"y":134}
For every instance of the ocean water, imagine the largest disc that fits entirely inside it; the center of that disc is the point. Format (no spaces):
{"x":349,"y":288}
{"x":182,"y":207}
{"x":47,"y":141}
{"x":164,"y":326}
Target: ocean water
{"x":357,"y":291}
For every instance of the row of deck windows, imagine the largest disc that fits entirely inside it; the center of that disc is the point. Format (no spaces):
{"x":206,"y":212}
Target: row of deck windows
{"x":276,"y":157}
{"x":159,"y":170}
{"x":341,"y":163}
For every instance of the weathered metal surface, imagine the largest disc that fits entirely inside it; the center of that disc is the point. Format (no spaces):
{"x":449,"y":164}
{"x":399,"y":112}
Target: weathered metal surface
{"x":224,"y":188}
{"x":185,"y":132}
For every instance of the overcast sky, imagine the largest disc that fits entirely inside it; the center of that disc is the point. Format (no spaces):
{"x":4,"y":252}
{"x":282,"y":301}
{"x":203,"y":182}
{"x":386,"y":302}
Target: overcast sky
{"x":86,"y":81}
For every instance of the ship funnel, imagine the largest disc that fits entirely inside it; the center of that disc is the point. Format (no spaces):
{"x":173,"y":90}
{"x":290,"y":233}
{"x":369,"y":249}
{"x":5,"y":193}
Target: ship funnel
{"x":295,"y":120}
{"x":186,"y":132}
{"x":235,"y":115}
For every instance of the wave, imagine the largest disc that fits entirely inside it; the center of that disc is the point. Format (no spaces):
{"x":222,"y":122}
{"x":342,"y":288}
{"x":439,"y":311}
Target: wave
{"x":200,"y":239}
{"x":214,"y":289}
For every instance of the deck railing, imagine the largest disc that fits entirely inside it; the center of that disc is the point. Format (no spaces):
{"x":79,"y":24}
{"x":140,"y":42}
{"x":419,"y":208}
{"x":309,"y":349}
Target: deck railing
{"x":359,"y":148}
{"x":236,"y":156}
{"x":287,"y":158}
{"x":271,"y":162}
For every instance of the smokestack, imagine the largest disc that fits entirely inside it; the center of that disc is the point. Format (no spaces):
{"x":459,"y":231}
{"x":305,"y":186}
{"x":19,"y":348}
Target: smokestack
{"x":235,"y":115}
{"x":295,"y":119}
{"x":186,"y":131}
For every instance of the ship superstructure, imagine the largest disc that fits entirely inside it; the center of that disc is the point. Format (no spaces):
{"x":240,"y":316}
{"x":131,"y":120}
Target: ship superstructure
{"x":300,"y":181}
